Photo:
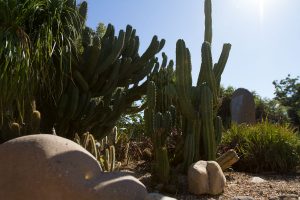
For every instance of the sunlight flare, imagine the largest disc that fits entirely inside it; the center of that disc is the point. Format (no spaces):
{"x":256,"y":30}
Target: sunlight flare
{"x":261,"y":4}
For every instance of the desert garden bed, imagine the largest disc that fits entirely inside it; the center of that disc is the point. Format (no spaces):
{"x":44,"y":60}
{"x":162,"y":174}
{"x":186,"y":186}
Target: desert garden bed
{"x":275,"y":187}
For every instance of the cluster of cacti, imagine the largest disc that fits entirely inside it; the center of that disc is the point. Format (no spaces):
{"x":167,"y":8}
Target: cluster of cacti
{"x":196,"y":106}
{"x":160,"y":120}
{"x":15,"y":128}
{"x":103,"y":151}
{"x":108,"y":161}
{"x":89,"y":143}
{"x":102,"y":84}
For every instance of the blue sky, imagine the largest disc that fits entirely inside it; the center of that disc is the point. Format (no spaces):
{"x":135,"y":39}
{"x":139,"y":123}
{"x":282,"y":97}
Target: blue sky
{"x":265,"y":34}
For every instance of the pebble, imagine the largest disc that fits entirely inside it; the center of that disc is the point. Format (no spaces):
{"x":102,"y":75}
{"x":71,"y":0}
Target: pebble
{"x":157,"y":196}
{"x":257,"y":180}
{"x":242,"y":198}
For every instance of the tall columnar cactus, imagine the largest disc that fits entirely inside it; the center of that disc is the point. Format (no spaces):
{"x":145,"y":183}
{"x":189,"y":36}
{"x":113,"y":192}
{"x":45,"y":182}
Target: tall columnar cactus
{"x":198,"y":104}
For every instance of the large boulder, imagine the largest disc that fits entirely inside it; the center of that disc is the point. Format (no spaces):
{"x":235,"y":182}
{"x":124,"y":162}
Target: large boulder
{"x":49,"y":167}
{"x":206,"y":177}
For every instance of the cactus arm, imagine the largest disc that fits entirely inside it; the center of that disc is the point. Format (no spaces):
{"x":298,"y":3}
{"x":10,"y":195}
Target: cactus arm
{"x":219,"y":67}
{"x":183,"y":79}
{"x":206,"y":74}
{"x":151,"y":50}
{"x":206,"y":112}
{"x":117,"y":49}
{"x":208,"y":21}
{"x":218,"y":129}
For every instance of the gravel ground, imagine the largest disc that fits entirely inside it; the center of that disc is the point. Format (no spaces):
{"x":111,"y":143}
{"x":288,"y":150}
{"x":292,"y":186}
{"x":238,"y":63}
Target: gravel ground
{"x":275,"y":187}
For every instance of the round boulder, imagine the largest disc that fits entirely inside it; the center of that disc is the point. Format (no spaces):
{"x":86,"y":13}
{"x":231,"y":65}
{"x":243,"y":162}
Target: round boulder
{"x":206,"y":177}
{"x":50,"y":167}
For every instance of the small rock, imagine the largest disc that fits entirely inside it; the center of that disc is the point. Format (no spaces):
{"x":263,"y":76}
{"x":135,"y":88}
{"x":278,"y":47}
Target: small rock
{"x":242,"y":198}
{"x":257,"y":180}
{"x":206,"y":177}
{"x":157,"y":196}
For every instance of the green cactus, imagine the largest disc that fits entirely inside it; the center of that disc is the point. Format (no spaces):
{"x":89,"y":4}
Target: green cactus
{"x":163,"y":166}
{"x":196,"y":106}
{"x":159,"y":126}
{"x":104,"y":83}
{"x":35,"y":122}
{"x":208,"y":134}
{"x":208,"y":21}
{"x":109,"y":159}
{"x":218,"y":129}
{"x":15,"y":129}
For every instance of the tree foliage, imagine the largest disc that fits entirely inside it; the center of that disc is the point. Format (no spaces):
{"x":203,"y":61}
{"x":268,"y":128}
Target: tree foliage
{"x":287,"y":92}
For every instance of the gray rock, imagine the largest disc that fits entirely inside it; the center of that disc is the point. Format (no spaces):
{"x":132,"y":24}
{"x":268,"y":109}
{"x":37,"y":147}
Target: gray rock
{"x":206,"y":177}
{"x":49,"y":167}
{"x":242,"y":107}
{"x":286,"y":197}
{"x":157,"y":196}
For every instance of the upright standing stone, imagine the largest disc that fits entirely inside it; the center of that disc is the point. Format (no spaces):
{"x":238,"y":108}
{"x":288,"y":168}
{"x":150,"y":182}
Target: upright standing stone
{"x":242,"y":107}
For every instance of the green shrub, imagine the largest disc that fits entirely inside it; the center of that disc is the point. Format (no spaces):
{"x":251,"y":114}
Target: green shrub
{"x":263,"y":147}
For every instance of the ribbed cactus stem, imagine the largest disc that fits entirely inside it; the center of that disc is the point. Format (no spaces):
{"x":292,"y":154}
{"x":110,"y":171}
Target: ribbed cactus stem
{"x":220,"y":65}
{"x":112,"y":152}
{"x":92,"y":143}
{"x":189,"y":149}
{"x":184,"y":79}
{"x":208,"y":133}
{"x":115,"y":134}
{"x":163,"y":166}
{"x":107,"y":160}
{"x":206,"y":74}
{"x":151,"y":95}
{"x":218,"y":129}
{"x":208,"y":21}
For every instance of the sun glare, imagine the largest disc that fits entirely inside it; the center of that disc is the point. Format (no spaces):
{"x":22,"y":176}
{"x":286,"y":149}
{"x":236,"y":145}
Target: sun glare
{"x":261,"y":4}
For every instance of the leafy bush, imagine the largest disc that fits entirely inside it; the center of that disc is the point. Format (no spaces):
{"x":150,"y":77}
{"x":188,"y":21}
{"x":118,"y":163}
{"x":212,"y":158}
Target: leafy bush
{"x":263,"y":147}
